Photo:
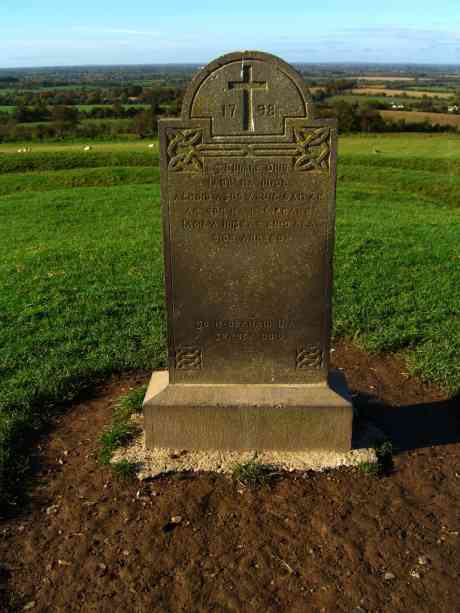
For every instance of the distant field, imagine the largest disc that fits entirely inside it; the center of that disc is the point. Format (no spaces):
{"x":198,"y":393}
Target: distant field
{"x":413,"y":93}
{"x":90,"y":107}
{"x":125,"y":122}
{"x":434,"y":88}
{"x":442,"y":119}
{"x":363,"y":99}
{"x":134,"y":145}
{"x":381,"y":78}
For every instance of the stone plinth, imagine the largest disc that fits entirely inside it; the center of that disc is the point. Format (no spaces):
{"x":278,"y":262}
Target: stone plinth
{"x":291,"y":417}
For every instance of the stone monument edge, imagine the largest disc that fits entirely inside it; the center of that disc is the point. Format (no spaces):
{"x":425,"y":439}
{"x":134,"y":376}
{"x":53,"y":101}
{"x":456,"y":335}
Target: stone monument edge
{"x":244,"y":55}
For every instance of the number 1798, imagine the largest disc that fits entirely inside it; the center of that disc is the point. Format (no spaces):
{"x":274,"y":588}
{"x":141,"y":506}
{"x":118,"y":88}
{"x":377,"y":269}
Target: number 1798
{"x":229,"y":110}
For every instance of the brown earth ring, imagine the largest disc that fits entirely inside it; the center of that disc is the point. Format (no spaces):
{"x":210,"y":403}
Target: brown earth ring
{"x":329,"y":541}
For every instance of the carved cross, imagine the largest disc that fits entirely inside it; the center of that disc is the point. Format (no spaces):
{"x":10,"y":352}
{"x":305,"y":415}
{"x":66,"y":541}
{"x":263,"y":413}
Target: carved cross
{"x":247,"y":86}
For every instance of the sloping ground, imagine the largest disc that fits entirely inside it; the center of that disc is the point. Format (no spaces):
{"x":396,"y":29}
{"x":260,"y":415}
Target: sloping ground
{"x":81,"y":269}
{"x":335,"y":542}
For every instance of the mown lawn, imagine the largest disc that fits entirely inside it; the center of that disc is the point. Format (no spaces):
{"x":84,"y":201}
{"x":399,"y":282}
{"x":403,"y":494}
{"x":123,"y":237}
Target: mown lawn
{"x":428,"y":146}
{"x":77,"y":146}
{"x":81,"y":271}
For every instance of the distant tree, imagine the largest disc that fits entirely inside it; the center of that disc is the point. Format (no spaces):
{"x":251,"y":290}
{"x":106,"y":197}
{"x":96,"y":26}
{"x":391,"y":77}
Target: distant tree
{"x":133,"y":91}
{"x":118,"y":109}
{"x":370,"y":120}
{"x":64,"y":119}
{"x":21,"y":113}
{"x":153,"y":99}
{"x":65,"y":114}
{"x":347,"y":116}
{"x":176,"y":104}
{"x":338,"y":86}
{"x":427,"y":104}
{"x":40,"y":112}
{"x":41,"y":132}
{"x":456,"y":99}
{"x":95,"y":97}
{"x":145,"y":124}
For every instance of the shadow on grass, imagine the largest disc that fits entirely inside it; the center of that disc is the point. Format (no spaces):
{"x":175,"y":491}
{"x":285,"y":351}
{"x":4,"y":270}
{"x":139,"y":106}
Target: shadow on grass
{"x":413,"y":426}
{"x":19,"y":476}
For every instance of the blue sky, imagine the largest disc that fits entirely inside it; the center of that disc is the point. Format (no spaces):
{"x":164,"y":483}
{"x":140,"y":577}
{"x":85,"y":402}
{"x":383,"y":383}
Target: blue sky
{"x":53,"y":32}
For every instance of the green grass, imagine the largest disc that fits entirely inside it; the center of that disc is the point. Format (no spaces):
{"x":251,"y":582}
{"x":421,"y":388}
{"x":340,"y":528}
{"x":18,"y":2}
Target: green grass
{"x":90,"y":107}
{"x":57,"y":160}
{"x":384,"y":464}
{"x":364,"y":99}
{"x":132,"y":402}
{"x":116,"y":436}
{"x":77,"y":146}
{"x":81,"y":281}
{"x":397,"y":278}
{"x":254,"y":474}
{"x":432,"y":180}
{"x":430,"y":146}
{"x":403,"y":146}
{"x":121,"y":429}
{"x":124,"y":469}
{"x":81,"y":297}
{"x":77,"y":177}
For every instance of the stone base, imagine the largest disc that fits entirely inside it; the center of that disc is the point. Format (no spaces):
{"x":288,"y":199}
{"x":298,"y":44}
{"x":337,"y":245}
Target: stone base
{"x":248,"y":417}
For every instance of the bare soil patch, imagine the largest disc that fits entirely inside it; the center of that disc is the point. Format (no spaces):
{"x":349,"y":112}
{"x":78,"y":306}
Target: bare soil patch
{"x":320,"y":542}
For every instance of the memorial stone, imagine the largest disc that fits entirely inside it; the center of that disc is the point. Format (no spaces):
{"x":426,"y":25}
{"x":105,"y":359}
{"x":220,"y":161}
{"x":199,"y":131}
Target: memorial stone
{"x":248,"y":195}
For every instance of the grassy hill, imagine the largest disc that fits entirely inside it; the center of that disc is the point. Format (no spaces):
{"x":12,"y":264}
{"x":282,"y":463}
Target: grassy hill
{"x":81,"y":268}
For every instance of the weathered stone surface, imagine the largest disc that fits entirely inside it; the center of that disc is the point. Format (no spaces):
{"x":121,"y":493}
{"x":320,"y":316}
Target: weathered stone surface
{"x":248,"y":196}
{"x":246,"y":417}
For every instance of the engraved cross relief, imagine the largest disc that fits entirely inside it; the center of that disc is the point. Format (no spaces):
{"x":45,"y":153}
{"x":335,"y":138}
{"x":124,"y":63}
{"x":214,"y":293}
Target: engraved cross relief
{"x":247,"y":87}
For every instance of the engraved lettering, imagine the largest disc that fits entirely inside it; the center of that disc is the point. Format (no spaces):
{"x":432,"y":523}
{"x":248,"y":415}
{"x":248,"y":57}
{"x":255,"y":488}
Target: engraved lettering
{"x":268,"y":110}
{"x":229,"y":110}
{"x":248,"y":201}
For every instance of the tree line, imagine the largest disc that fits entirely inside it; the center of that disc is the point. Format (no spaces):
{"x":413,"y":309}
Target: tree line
{"x":134,"y":111}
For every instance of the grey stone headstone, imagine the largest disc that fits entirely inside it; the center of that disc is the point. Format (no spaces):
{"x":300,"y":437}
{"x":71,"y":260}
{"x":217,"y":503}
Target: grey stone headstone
{"x":248,"y":194}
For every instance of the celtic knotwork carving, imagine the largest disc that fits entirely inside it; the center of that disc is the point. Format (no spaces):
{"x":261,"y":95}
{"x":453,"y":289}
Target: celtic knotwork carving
{"x":313,"y":148}
{"x":310,"y":356}
{"x":182,"y":153}
{"x":189,"y":358}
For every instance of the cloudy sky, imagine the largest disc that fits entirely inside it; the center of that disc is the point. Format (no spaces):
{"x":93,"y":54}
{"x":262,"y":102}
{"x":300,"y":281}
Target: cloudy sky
{"x":53,"y":32}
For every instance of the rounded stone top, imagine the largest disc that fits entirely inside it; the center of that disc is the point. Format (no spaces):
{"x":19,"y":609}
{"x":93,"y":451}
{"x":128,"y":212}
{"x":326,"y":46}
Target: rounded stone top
{"x":247,"y":93}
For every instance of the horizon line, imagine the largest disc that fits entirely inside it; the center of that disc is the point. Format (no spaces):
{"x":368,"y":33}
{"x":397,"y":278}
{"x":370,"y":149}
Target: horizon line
{"x":317,"y":63}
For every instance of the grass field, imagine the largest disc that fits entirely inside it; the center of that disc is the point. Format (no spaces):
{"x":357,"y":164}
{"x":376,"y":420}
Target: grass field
{"x":381,"y":78}
{"x":413,"y":93}
{"x":85,"y":107}
{"x":69,"y":146}
{"x":406,"y":145}
{"x":442,"y":119}
{"x":413,"y":146}
{"x":366,"y":99}
{"x":81,"y":268}
{"x":90,"y":107}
